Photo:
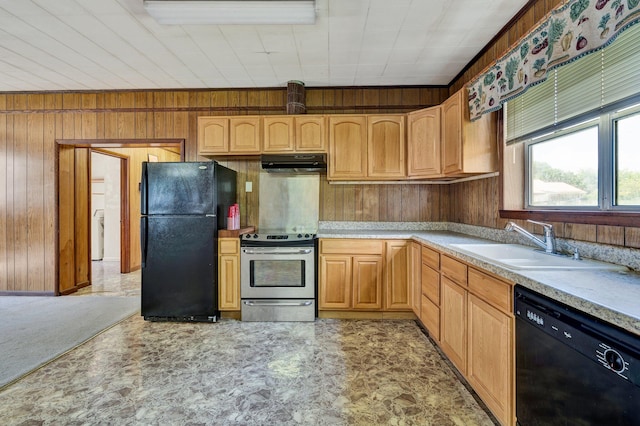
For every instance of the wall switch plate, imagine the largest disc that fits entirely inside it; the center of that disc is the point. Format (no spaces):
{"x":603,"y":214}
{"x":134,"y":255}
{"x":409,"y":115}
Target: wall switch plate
{"x":248,"y":186}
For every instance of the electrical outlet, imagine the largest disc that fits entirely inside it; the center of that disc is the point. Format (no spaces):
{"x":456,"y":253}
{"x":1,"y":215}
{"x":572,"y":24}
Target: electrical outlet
{"x":248,"y":186}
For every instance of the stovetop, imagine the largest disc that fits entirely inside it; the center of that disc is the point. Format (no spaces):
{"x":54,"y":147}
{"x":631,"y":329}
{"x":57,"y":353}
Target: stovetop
{"x":277,"y":239}
{"x":268,"y":237}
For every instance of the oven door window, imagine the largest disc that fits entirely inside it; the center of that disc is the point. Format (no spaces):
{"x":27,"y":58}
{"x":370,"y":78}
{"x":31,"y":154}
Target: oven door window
{"x":277,"y":273}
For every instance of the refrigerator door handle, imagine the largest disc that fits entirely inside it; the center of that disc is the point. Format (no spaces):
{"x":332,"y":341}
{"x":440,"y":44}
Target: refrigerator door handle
{"x":210,"y":215}
{"x":143,"y":241}
{"x":143,"y":190}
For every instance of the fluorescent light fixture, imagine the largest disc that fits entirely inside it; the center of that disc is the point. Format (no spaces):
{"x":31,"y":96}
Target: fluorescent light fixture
{"x":222,"y":12}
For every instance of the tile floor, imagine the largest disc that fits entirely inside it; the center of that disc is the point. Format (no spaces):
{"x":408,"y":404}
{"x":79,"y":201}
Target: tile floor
{"x":330,"y":372}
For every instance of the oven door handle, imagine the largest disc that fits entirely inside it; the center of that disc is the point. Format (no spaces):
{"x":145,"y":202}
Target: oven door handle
{"x":276,"y":303}
{"x":275,"y":251}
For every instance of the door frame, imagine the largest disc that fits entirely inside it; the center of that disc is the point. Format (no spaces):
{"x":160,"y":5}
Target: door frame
{"x":96,"y":144}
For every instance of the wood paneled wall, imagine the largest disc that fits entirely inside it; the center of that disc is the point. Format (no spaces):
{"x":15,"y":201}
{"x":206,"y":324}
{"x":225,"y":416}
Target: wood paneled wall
{"x":477,"y":203}
{"x":383,"y":203}
{"x":30,"y":123}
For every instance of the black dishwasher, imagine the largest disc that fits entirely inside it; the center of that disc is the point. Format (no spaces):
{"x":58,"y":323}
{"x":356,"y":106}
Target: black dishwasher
{"x":571,"y":368}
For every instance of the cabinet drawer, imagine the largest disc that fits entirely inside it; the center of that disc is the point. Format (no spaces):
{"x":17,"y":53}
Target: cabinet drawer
{"x":430,"y":317}
{"x":492,"y":290}
{"x":454,"y":270}
{"x":351,"y":246}
{"x":431,"y":284}
{"x":228,"y":245}
{"x":431,"y":258}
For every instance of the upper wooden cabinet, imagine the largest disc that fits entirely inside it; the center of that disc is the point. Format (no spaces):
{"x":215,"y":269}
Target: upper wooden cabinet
{"x":423,"y":143}
{"x":244,"y":135}
{"x":467,"y":147}
{"x":386,"y":147}
{"x":288,"y":133}
{"x":213,"y":135}
{"x":367,"y":147}
{"x":279,"y":135}
{"x":229,"y":135}
{"x":310,"y":133}
{"x":347,"y":147}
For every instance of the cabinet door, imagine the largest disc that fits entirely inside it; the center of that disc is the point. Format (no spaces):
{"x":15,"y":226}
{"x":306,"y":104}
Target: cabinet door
{"x":452,"y":134}
{"x":347,"y":147}
{"x":453,"y":323}
{"x":311,"y":133}
{"x":416,"y":277}
{"x":244,"y":135}
{"x":490,"y":369}
{"x":213,"y":135}
{"x":397,"y":296}
{"x":229,"y":285}
{"x":278,"y":134}
{"x":423,"y":143}
{"x":229,"y":274}
{"x":430,"y":317}
{"x":386,"y":147}
{"x":334,"y":282}
{"x":367,"y":282}
{"x":431,"y":284}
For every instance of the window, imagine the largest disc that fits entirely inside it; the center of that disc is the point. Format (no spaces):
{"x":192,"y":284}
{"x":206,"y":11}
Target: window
{"x":593,"y":165}
{"x":563,"y":170}
{"x":627,"y":170}
{"x":581,"y":132}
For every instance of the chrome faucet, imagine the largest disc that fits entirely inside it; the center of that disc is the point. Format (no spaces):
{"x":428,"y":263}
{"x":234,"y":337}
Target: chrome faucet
{"x":549,"y":242}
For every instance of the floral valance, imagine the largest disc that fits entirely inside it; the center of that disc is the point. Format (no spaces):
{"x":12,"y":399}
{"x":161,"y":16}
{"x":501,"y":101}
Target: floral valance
{"x":572,"y":30}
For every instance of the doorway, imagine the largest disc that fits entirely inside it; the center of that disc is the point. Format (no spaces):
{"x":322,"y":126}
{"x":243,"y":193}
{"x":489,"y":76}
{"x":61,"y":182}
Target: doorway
{"x":74,"y":213}
{"x":109,"y":204}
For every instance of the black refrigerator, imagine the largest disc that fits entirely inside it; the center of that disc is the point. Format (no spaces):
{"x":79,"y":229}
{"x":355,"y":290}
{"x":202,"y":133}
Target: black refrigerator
{"x":182,"y":207}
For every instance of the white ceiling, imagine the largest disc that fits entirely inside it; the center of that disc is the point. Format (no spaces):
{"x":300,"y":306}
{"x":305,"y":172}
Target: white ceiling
{"x":115,"y":44}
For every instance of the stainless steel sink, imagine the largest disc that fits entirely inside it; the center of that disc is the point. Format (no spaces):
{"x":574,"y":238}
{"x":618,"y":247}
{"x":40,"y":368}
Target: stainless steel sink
{"x":515,"y":256}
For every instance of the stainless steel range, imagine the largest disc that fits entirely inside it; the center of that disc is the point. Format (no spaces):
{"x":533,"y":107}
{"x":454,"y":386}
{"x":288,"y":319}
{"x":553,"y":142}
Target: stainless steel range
{"x":277,"y":277}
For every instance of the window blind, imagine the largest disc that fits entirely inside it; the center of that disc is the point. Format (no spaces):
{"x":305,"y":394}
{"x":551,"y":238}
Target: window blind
{"x":592,"y":82}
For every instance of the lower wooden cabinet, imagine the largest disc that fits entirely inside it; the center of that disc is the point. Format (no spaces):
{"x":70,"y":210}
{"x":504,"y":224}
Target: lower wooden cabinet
{"x":453,"y":323}
{"x":397,"y":296}
{"x":334,"y":291}
{"x":430,"y":296}
{"x":475,"y":325}
{"x":350,"y":276}
{"x":364,"y":275}
{"x":367,"y":283}
{"x":229,"y":274}
{"x":430,"y":317}
{"x":490,"y":361}
{"x":415,"y":277}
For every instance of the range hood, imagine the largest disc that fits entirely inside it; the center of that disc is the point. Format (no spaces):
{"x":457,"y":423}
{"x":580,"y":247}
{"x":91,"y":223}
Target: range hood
{"x":294,"y":163}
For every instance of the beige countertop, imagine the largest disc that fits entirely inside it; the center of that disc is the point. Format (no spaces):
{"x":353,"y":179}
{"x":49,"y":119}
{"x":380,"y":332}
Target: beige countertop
{"x":611,"y":296}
